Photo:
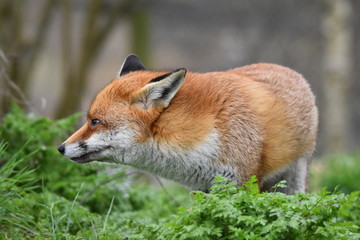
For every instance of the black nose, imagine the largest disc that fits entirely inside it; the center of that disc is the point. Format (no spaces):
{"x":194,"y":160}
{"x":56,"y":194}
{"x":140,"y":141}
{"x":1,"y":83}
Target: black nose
{"x":61,"y":149}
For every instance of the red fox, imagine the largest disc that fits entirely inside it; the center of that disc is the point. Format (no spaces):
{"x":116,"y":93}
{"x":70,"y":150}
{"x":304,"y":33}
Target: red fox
{"x":189,"y":127}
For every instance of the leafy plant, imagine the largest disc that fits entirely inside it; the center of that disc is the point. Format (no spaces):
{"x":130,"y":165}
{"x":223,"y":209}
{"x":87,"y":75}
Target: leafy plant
{"x":243,"y":213}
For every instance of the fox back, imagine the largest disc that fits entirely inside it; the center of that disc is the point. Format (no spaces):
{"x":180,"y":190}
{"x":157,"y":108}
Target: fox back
{"x":189,"y":127}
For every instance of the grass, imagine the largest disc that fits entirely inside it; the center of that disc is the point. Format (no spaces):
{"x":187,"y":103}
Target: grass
{"x":337,"y":173}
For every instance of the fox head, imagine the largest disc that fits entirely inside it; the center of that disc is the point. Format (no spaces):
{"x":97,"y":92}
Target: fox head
{"x":121,"y":115}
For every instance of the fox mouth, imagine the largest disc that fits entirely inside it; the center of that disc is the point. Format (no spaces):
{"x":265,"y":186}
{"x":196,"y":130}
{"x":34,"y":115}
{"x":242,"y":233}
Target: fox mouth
{"x":89,"y":157}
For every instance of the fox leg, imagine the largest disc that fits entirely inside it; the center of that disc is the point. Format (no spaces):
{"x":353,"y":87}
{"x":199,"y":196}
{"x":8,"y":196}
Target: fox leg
{"x":296,"y":175}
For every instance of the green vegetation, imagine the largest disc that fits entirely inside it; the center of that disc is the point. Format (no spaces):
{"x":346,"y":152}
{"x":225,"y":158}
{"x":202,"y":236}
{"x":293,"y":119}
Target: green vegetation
{"x":340,"y":173}
{"x":233,"y":213}
{"x":45,"y":196}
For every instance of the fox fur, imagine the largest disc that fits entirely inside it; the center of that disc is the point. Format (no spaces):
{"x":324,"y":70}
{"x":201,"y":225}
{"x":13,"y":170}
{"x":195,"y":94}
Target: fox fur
{"x":188,"y":127}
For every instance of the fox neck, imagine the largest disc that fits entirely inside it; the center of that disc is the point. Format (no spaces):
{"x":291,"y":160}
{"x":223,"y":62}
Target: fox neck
{"x":194,"y":168}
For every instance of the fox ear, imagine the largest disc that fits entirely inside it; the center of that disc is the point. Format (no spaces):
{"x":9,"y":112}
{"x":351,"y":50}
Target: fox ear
{"x":160,"y":90}
{"x":132,"y":63}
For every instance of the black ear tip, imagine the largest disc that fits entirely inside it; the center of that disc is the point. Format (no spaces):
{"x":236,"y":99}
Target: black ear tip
{"x":132,"y":56}
{"x":132,"y":63}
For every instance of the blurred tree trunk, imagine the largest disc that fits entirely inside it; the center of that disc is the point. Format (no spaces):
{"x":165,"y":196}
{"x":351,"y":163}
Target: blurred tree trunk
{"x":97,"y":25}
{"x":20,"y":49}
{"x":140,"y":33}
{"x":4,"y":85}
{"x":338,"y":63}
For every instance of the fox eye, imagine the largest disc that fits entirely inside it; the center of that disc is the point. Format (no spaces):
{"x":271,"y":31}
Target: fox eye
{"x":94,"y":122}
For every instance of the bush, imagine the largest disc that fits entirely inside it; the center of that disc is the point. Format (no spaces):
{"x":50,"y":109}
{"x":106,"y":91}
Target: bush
{"x":243,"y":213}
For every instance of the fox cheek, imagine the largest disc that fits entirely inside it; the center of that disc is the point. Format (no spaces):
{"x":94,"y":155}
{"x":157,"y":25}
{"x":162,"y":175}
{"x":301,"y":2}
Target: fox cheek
{"x":123,"y":136}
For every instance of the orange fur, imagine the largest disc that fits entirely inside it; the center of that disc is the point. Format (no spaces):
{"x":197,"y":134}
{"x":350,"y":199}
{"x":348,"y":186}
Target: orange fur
{"x":283,"y":99}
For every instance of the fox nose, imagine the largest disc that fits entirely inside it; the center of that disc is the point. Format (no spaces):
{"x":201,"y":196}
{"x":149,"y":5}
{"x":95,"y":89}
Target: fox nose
{"x":61,"y":149}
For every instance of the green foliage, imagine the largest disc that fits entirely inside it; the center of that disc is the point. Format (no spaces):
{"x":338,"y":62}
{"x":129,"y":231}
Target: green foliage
{"x":45,"y":196}
{"x":14,"y":185}
{"x":341,"y":173}
{"x":243,"y":213}
{"x":18,"y":128}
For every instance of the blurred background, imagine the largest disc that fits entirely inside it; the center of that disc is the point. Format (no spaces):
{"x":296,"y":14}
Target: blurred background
{"x":56,"y":55}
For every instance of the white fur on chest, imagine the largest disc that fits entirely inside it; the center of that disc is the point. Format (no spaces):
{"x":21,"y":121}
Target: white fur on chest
{"x":193,"y":168}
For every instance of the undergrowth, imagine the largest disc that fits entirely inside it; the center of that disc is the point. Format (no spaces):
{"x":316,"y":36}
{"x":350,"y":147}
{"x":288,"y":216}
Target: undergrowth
{"x":45,"y":196}
{"x":243,"y":213}
{"x":340,"y":172}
